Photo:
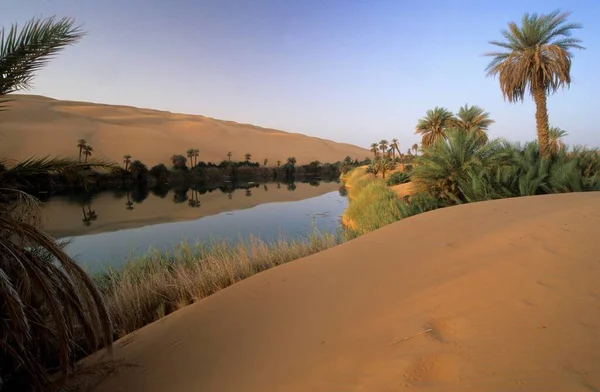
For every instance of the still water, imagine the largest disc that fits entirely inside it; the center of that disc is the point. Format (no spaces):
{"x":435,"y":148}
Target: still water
{"x":109,"y":227}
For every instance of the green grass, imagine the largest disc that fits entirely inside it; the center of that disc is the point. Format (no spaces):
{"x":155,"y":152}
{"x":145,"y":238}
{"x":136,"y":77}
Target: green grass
{"x":148,"y":288}
{"x":372,"y":204}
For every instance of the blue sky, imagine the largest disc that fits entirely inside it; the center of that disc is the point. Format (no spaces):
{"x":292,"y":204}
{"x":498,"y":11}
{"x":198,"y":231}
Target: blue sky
{"x":354,"y":71}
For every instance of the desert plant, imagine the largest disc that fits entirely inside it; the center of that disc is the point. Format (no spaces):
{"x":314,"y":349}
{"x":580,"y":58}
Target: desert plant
{"x":398,"y":178}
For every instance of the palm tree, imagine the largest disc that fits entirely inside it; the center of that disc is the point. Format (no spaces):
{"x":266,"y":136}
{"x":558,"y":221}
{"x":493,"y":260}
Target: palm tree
{"x":87,"y":151}
{"x":265,"y":162}
{"x":395,"y":148}
{"x":375,"y":149}
{"x":473,"y":119}
{"x":229,"y":154}
{"x":415,"y":148}
{"x":536,"y":60}
{"x":127,"y":161}
{"x":555,"y":139}
{"x":190,"y":154}
{"x":434,"y":125}
{"x":383,"y":146}
{"x":247,"y":157}
{"x":81,"y":143}
{"x":291,"y":161}
{"x":196,"y":155}
{"x":278,"y":163}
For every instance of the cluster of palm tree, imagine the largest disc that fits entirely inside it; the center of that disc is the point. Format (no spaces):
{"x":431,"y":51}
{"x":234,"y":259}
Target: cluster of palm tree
{"x":461,"y":169}
{"x":85,"y":149}
{"x":438,"y":121}
{"x":193,"y":155}
{"x":391,"y":150}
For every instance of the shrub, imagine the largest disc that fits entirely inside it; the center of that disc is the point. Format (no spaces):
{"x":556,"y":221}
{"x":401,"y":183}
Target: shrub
{"x":398,"y":178}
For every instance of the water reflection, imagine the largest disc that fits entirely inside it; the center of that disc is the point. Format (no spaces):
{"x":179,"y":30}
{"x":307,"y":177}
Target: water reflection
{"x":75,"y":214}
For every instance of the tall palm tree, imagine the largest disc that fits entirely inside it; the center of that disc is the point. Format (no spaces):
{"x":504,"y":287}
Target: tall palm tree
{"x":196,"y":155}
{"x":415,"y":148}
{"x":375,"y":149}
{"x":127,"y":161}
{"x":87,"y":151}
{"x":247,"y":157}
{"x":383,"y":146}
{"x":473,"y":119}
{"x":395,"y":147}
{"x":81,"y":143}
{"x":555,"y":139}
{"x":229,"y":154}
{"x":190,"y":154}
{"x":434,"y":125}
{"x":46,"y":296}
{"x":536,"y":59}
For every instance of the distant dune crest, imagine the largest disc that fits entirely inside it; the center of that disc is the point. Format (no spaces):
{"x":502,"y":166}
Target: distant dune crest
{"x":36,"y":125}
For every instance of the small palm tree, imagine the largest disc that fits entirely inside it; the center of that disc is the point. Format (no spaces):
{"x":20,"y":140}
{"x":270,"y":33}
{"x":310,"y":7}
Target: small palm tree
{"x":229,"y":154}
{"x":291,"y":161}
{"x":87,"y":151}
{"x":375,"y":149}
{"x":536,"y":59}
{"x":473,"y":119}
{"x":81,"y":143}
{"x":247,"y":157}
{"x":190,"y":155}
{"x":394,"y":146}
{"x":265,"y":162}
{"x":415,"y":148}
{"x":556,"y":144}
{"x":383,"y":146}
{"x":434,"y":125}
{"x":278,"y":163}
{"x":127,"y":161}
{"x":196,"y":155}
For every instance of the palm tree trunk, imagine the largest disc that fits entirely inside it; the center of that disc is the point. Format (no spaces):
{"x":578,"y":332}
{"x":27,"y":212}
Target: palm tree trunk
{"x":80,"y":148}
{"x":541,"y":119}
{"x":86,"y":157}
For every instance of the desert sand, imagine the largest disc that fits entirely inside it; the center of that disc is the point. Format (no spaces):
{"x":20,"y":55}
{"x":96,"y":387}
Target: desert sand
{"x":40,"y":126}
{"x":494,"y":296}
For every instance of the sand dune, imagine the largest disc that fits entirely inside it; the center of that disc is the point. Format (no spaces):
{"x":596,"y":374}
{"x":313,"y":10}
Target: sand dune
{"x":507,"y":291}
{"x":36,"y":125}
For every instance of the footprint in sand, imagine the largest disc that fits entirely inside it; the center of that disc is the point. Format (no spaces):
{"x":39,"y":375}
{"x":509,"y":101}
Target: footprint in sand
{"x":433,"y":369}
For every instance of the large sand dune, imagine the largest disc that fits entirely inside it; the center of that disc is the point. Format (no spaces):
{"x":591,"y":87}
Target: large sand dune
{"x":36,"y":125}
{"x":508,"y":292}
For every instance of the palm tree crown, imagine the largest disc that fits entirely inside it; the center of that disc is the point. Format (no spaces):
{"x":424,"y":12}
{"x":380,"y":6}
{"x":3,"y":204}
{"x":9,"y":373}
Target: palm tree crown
{"x":434,"y":125}
{"x":556,"y":143}
{"x":473,"y":119}
{"x":536,"y":59}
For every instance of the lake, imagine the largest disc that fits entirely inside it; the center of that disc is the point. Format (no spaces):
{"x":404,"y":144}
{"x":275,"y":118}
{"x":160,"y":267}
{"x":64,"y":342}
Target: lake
{"x":109,"y":227}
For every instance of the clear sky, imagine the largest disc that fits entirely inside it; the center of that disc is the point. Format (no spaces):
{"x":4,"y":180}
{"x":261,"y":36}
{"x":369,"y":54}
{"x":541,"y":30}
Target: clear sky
{"x":354,"y":71}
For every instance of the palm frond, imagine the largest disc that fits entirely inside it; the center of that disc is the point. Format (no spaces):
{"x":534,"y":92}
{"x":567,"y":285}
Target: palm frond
{"x":24,"y":52}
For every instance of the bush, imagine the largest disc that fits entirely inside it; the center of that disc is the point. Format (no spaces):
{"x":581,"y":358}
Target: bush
{"x":398,"y":178}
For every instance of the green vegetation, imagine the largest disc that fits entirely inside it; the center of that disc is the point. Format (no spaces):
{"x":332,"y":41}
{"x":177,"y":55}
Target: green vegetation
{"x":148,"y":288}
{"x":50,"y":310}
{"x":398,"y":178}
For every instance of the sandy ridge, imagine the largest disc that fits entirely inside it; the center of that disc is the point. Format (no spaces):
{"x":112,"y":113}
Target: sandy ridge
{"x":506,"y":290}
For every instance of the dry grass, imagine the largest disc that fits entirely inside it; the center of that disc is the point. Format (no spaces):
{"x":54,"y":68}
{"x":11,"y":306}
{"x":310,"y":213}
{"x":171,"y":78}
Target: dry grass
{"x":149,"y":288}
